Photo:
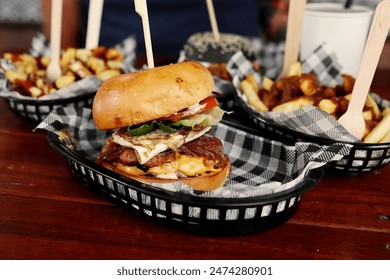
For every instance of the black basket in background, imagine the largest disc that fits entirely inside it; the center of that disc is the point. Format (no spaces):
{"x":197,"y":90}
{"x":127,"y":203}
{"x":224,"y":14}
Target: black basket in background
{"x":363,"y":157}
{"x":35,"y":110}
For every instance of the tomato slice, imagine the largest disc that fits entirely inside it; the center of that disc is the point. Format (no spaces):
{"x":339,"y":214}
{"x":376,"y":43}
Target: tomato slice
{"x":209,"y":102}
{"x":173,"y":117}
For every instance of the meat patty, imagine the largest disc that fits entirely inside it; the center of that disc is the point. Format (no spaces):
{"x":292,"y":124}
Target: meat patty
{"x":210,"y":148}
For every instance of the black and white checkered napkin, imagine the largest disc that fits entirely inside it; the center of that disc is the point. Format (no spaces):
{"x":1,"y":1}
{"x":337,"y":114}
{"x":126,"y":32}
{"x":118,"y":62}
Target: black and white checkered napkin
{"x":269,"y":55}
{"x":310,"y":119}
{"x":259,"y":166}
{"x":41,"y":47}
{"x":322,"y":62}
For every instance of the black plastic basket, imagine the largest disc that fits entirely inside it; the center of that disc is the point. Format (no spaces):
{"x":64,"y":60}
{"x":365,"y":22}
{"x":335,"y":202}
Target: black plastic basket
{"x":35,"y":110}
{"x":212,"y":216}
{"x":362,"y":158}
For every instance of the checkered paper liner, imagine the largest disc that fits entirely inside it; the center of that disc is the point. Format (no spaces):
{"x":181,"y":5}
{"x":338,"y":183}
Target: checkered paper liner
{"x":270,"y":55}
{"x":81,"y":88}
{"x":259,"y":166}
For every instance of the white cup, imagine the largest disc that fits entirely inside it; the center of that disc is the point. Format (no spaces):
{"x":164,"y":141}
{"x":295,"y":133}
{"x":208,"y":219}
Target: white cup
{"x":343,"y":30}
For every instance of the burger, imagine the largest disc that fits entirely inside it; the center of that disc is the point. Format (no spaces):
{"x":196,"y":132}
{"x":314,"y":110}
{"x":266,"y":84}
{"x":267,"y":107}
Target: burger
{"x":161,"y":118}
{"x":204,"y":47}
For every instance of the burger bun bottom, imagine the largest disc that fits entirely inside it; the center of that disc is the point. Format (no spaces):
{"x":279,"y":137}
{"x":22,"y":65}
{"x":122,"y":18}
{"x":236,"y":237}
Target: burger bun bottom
{"x":199,"y":183}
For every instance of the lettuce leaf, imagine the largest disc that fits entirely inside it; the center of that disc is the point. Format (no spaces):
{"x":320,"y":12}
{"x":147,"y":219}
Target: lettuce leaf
{"x":210,"y":117}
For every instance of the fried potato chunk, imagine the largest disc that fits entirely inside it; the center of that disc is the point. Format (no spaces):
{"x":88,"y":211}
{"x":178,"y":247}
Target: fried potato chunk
{"x":293,"y":105}
{"x":380,"y":131}
{"x":29,"y":78}
{"x":252,"y":96}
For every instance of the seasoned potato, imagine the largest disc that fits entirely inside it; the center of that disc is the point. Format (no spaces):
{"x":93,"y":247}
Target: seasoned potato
{"x":30,"y":79}
{"x":252,"y":96}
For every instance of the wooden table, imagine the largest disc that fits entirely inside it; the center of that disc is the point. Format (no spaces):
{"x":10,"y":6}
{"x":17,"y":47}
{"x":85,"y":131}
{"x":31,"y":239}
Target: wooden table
{"x":46,"y":214}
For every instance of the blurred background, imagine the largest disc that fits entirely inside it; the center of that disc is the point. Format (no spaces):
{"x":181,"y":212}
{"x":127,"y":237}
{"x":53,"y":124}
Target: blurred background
{"x":20,"y":20}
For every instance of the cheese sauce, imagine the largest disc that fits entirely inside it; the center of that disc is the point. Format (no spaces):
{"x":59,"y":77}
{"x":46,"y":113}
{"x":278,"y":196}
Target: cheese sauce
{"x":189,"y":166}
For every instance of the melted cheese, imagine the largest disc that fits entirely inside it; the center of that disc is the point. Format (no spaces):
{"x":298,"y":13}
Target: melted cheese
{"x":150,"y":145}
{"x":132,"y":170}
{"x":189,"y":166}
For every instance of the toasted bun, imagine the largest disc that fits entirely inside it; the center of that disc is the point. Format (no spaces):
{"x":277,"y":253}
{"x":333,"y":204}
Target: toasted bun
{"x":145,"y":95}
{"x":202,"y":46}
{"x":200,"y":183}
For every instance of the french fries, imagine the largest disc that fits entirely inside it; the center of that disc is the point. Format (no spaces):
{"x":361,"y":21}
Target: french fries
{"x":252,"y":96}
{"x":309,"y":85}
{"x":380,"y":133}
{"x":386,"y":139}
{"x":64,"y":81}
{"x":295,"y":69}
{"x":293,"y":105}
{"x":29,"y":77}
{"x":298,"y":90}
{"x":370,"y":102}
{"x":267,"y":83}
{"x":328,"y":105}
{"x":386,"y":112}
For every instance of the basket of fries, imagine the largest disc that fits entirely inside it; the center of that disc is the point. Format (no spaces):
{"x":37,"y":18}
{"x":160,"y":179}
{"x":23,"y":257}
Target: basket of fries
{"x":300,"y":108}
{"x":30,"y":95}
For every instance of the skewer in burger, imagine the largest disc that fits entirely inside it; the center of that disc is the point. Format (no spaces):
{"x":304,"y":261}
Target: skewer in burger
{"x":161,"y":118}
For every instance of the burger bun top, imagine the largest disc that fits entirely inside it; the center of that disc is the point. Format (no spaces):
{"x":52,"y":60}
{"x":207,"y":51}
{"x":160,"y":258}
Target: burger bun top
{"x":146,"y":95}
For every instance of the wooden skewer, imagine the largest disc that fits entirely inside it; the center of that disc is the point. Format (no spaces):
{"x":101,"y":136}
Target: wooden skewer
{"x":213,"y":21}
{"x":142,"y":9}
{"x":94,"y":22}
{"x":293,"y":34}
{"x":54,"y":68}
{"x":352,"y":119}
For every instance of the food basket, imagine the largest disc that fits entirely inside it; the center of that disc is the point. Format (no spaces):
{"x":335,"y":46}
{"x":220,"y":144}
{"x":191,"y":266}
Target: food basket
{"x":264,"y":189}
{"x":35,"y":110}
{"x":310,"y":124}
{"x":363,"y":157}
{"x":186,"y":212}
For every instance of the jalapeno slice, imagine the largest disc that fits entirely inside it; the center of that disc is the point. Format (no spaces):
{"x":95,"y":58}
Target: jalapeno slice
{"x":140,"y":130}
{"x":165,"y":128}
{"x":148,"y":127}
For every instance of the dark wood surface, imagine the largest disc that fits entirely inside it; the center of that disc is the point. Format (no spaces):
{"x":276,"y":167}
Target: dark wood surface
{"x":46,"y":214}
